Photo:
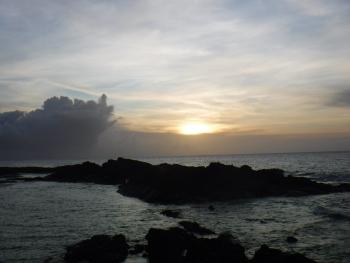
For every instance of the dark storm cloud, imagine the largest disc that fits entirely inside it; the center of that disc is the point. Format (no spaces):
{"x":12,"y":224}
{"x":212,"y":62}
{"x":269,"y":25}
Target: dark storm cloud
{"x":62,"y":128}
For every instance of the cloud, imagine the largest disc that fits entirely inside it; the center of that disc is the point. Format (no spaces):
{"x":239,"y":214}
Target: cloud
{"x":76,"y":129}
{"x":62,"y":128}
{"x":234,"y":63}
{"x":341,"y":99}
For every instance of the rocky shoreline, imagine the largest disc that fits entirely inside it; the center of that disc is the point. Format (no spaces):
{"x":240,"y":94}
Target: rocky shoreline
{"x":176,"y":184}
{"x":187,"y":242}
{"x":175,"y":245}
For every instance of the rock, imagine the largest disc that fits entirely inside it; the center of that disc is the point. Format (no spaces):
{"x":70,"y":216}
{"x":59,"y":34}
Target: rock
{"x":291,"y":239}
{"x":176,"y":245}
{"x":99,"y":248}
{"x":84,"y":172}
{"x":21,"y":170}
{"x":223,"y":249}
{"x":195,"y":228}
{"x":171,"y":213}
{"x":167,"y":245}
{"x":178,"y":184}
{"x":271,"y":255}
{"x":211,"y":208}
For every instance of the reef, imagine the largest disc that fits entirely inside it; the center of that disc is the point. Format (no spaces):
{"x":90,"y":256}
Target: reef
{"x":176,"y":184}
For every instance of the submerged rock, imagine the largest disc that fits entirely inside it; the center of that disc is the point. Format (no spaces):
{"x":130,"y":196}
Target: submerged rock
{"x":271,"y":255}
{"x":171,"y":213}
{"x":211,"y":208}
{"x":99,"y":248}
{"x":195,"y":228}
{"x":291,"y":239}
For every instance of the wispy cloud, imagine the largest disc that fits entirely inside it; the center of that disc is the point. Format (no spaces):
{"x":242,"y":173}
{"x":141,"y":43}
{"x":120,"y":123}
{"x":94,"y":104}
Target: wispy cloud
{"x":237,"y":64}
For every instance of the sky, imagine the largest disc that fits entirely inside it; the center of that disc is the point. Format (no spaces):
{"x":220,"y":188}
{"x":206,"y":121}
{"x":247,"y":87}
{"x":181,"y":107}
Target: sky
{"x":246,"y":76}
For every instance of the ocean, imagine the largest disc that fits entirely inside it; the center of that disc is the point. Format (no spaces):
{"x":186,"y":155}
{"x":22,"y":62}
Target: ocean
{"x":38,"y":219}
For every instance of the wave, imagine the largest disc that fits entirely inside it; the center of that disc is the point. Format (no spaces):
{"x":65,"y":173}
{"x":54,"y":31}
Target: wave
{"x":332,"y":214}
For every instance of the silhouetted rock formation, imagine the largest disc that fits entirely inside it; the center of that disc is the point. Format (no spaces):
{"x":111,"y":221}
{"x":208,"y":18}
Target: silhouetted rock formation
{"x":168,"y":245}
{"x":271,"y":255}
{"x":223,"y":249}
{"x":173,"y":183}
{"x":167,"y":183}
{"x":85,"y":172}
{"x":98,"y":249}
{"x":176,"y":245}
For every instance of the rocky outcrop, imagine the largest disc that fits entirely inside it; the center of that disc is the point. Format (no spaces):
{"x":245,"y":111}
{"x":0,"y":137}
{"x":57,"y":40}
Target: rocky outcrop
{"x":168,"y":245}
{"x":98,"y":249}
{"x":167,"y":183}
{"x":176,"y":245}
{"x":223,"y":249}
{"x":173,"y":183}
{"x":271,"y":255}
{"x":84,"y":172}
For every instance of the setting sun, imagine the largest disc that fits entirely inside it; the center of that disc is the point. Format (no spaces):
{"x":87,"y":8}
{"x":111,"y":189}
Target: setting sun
{"x":195,"y":128}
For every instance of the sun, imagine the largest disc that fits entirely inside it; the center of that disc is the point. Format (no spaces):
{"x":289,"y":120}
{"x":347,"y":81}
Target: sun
{"x":195,"y":128}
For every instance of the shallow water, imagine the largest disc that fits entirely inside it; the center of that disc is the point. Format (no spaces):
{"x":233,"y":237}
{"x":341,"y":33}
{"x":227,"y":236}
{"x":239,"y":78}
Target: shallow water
{"x":38,"y":219}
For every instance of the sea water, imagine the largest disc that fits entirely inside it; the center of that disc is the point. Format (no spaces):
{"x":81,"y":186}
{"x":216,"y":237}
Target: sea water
{"x":38,"y":219}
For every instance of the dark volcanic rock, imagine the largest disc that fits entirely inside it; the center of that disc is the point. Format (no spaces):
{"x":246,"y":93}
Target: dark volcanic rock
{"x":223,"y":249}
{"x":180,"y":184}
{"x":99,"y":248}
{"x":171,"y":213}
{"x":195,"y":228}
{"x":85,"y":172}
{"x":176,"y":245}
{"x":271,"y":255}
{"x":166,"y":183}
{"x":167,"y":245}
